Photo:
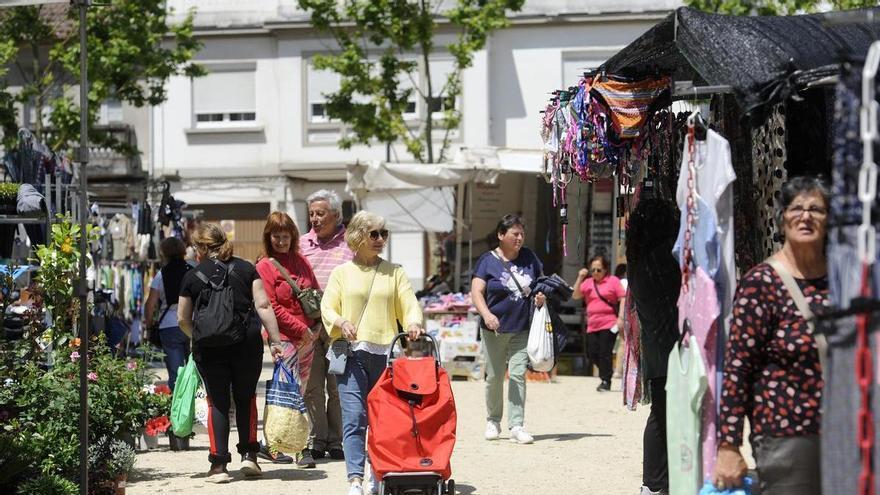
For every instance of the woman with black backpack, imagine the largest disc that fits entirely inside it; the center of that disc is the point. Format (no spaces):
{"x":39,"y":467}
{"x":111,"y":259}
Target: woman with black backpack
{"x":222,"y":303}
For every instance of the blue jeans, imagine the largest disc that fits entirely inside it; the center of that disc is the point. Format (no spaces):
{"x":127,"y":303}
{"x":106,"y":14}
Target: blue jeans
{"x":362,"y":371}
{"x":175,"y":345}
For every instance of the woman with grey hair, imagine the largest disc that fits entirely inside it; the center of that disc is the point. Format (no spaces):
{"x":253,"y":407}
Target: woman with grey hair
{"x":363,"y":301}
{"x":772,"y":368}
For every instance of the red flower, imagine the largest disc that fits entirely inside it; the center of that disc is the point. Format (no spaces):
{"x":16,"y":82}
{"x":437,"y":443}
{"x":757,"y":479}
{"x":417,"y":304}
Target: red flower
{"x":158,"y":425}
{"x":163,"y":389}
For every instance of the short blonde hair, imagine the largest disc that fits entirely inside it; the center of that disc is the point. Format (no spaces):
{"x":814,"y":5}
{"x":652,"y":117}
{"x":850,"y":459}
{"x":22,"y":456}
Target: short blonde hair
{"x":359,"y":228}
{"x":211,"y":242}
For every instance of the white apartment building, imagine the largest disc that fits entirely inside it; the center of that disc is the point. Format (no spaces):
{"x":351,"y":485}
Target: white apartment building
{"x":252,"y":136}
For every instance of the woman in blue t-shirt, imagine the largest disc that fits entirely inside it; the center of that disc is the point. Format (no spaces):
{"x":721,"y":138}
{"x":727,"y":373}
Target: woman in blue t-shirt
{"x":501,"y":291}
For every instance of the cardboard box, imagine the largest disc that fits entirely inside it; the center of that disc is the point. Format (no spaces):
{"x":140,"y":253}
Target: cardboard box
{"x":465,"y":331}
{"x":451,"y":349}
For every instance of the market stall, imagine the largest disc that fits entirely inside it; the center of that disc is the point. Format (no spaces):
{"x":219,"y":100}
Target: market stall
{"x":755,"y":116}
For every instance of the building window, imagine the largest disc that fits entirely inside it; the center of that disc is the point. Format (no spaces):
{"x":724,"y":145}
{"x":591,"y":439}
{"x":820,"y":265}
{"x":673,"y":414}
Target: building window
{"x":440,"y":70}
{"x":225,"y":97}
{"x":574,"y":64}
{"x":319,"y":83}
{"x":111,"y":112}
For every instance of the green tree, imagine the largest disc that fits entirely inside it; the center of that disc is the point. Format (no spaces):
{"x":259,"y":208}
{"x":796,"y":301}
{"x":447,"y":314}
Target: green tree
{"x":132,"y":51}
{"x":776,"y":7}
{"x":383,"y":45}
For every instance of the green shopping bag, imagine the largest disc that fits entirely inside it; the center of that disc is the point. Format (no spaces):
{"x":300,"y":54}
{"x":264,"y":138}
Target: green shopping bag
{"x":183,"y":403}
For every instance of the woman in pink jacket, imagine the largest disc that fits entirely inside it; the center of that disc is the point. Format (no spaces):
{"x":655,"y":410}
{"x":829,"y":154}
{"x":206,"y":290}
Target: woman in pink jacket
{"x":298,"y":331}
{"x":602,"y":294}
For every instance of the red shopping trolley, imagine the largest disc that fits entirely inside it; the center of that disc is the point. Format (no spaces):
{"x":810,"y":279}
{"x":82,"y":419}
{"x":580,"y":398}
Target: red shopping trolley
{"x":411,"y":413}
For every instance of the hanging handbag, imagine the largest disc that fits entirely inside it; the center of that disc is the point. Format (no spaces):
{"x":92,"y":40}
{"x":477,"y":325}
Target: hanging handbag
{"x":340,"y":349}
{"x":153,"y":330}
{"x":309,"y":299}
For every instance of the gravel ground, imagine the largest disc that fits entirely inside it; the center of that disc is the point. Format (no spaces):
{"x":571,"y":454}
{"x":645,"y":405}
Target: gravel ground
{"x":585,"y":442}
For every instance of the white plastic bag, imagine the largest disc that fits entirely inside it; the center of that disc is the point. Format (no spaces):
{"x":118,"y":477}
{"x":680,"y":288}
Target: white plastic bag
{"x":540,"y":347}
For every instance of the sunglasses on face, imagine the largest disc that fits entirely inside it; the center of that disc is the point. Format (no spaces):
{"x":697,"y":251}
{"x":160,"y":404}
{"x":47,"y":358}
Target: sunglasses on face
{"x":597,"y":270}
{"x":376,"y":234}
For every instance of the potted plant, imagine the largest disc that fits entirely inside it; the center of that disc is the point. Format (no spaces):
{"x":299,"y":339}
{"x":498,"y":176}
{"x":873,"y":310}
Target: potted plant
{"x":158,"y":407}
{"x":8,"y":198}
{"x":110,"y":461}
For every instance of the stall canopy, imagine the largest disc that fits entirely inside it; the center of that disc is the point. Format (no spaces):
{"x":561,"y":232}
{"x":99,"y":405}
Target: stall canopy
{"x":415,"y":196}
{"x":761,"y":58}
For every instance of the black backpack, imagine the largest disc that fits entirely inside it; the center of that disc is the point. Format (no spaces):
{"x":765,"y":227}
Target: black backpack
{"x":214,"y":320}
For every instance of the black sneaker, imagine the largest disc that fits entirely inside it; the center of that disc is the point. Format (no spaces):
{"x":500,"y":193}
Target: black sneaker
{"x":337,"y":454}
{"x":604,"y":386}
{"x":274,"y":457}
{"x":304,"y":459}
{"x":318,"y":454}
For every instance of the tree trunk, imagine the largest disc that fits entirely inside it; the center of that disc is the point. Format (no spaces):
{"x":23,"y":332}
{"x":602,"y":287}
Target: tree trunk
{"x":429,"y":93}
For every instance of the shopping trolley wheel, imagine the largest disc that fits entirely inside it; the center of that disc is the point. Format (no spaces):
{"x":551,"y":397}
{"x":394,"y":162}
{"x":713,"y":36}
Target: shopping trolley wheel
{"x":450,"y":487}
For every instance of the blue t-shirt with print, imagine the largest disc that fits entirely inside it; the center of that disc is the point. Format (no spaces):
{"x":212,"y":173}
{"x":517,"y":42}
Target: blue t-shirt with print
{"x":503,"y":297}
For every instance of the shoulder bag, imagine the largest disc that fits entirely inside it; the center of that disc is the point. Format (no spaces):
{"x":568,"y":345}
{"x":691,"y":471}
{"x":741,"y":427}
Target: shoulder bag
{"x":801,"y":302}
{"x":615,"y":307}
{"x":309,"y":299}
{"x":506,"y":266}
{"x":340,"y":349}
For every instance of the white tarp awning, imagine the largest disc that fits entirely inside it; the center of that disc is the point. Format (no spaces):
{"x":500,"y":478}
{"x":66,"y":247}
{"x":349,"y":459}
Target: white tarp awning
{"x":417,"y":197}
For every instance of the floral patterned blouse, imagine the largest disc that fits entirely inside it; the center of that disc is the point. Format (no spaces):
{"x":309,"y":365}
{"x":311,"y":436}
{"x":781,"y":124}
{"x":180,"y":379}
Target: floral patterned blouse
{"x":771,"y":364}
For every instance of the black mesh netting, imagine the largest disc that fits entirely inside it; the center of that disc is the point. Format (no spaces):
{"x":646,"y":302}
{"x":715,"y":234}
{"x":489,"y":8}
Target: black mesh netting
{"x":761,"y":58}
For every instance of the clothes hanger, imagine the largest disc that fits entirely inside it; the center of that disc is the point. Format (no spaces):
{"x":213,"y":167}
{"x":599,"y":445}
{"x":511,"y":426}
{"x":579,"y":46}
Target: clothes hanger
{"x":685,"y":331}
{"x":695,"y":120}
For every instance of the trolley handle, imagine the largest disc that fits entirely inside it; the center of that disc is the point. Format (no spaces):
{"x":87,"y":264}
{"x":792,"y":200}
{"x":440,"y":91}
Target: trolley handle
{"x":402,"y":335}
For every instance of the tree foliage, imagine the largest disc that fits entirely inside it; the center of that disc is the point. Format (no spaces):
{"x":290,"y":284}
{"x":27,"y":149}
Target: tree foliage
{"x":130,"y":58}
{"x":776,"y":7}
{"x":383,"y":45}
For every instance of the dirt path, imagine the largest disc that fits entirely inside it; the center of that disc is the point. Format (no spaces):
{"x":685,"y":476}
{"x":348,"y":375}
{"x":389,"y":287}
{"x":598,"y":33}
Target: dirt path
{"x":585,"y":443}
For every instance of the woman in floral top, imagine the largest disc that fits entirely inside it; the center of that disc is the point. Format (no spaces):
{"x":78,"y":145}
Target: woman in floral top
{"x":771,"y":366}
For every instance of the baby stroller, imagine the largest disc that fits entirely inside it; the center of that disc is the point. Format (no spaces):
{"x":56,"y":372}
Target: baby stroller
{"x":411,"y":414}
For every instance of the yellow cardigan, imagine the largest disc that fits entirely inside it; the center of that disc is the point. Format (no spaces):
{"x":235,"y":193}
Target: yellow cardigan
{"x":392,"y":300}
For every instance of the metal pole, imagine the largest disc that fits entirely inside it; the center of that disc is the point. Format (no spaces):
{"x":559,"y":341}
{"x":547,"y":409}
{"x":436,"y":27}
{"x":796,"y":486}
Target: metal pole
{"x":459,"y":218}
{"x":82,"y":288}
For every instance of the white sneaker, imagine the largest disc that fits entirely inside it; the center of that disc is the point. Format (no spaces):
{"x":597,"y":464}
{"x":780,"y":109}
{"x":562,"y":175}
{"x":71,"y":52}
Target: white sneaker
{"x":518,"y":434}
{"x":647,"y":491}
{"x":355,"y":490}
{"x":493,"y":430}
{"x":374,"y":488}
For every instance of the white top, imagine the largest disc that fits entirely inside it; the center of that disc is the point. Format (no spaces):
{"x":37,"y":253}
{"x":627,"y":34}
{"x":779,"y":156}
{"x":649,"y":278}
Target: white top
{"x":715,"y":177}
{"x":170,"y":319}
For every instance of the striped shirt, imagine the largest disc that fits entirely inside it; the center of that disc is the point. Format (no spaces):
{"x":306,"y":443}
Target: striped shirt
{"x":325,"y":256}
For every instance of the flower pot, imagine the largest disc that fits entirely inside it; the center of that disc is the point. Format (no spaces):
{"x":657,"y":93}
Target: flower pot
{"x":119,"y":484}
{"x":178,"y":443}
{"x":8,"y":206}
{"x":151,"y":441}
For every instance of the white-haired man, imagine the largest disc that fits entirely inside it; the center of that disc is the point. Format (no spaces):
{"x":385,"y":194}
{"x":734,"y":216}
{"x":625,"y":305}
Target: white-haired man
{"x":325,"y":248}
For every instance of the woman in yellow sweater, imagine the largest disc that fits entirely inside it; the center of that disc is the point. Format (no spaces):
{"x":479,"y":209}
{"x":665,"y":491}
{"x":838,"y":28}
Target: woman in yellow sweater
{"x":364,"y":300}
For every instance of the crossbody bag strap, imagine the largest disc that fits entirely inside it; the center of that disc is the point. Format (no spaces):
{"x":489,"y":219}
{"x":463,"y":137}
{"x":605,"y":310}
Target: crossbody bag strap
{"x":293,"y":286}
{"x":606,"y":301}
{"x":507,"y":267}
{"x":803,"y":306}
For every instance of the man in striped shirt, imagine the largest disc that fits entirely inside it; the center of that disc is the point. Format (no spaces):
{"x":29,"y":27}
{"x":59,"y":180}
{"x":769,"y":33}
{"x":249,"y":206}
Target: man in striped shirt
{"x":325,"y":248}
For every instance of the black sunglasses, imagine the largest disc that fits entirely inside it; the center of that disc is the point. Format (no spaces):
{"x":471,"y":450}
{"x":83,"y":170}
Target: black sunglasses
{"x":375,"y":234}
{"x":597,"y":270}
